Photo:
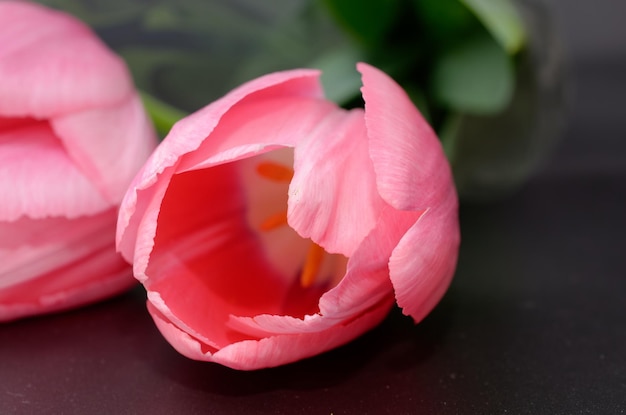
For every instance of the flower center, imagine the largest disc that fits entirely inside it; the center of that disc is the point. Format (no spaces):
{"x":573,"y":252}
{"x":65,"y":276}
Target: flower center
{"x":315,"y":255}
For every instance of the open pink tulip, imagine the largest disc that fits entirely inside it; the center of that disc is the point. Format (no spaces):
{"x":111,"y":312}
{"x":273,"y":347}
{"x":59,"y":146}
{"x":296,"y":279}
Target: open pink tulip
{"x":73,"y":133}
{"x":272,"y":225}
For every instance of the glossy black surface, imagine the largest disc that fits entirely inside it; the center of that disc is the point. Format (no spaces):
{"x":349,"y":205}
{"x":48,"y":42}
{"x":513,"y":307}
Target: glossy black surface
{"x":534,"y":323}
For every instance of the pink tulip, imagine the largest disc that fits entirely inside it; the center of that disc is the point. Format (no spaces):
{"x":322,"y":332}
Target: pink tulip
{"x":272,"y":225}
{"x":73,"y":133}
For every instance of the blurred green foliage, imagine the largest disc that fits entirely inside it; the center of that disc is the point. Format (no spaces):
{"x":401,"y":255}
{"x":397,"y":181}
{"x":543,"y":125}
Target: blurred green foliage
{"x":471,"y":68}
{"x":502,"y":20}
{"x":475,"y":76}
{"x":460,"y":53}
{"x":367,"y":20}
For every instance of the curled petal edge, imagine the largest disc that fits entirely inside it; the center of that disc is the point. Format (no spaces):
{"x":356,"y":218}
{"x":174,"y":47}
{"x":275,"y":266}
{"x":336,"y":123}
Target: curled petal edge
{"x":270,"y":351}
{"x":188,"y":135}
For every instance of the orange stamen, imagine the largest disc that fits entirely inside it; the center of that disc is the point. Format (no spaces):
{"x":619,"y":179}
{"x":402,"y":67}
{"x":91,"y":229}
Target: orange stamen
{"x":274,"y":221}
{"x":312,"y":265}
{"x":275,"y":171}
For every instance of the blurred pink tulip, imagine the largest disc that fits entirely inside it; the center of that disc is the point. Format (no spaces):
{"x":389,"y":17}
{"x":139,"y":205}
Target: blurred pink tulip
{"x":73,"y":133}
{"x":272,"y":225}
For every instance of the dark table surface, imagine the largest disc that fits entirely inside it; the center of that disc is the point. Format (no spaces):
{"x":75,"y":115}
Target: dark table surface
{"x":534,"y":323}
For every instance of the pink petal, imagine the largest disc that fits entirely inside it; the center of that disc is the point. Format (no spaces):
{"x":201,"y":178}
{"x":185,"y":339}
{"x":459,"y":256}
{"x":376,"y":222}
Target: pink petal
{"x":205,"y":263}
{"x":333,"y":198}
{"x":422,"y":265}
{"x":367,"y":278}
{"x":30,"y":248}
{"x":109,"y":144}
{"x":52,"y":64}
{"x":45,"y":295}
{"x":266,"y":198}
{"x":214,"y":292}
{"x":189,"y":133}
{"x":192,"y":131}
{"x":137,"y":250}
{"x":269,"y":124}
{"x":365,"y":285}
{"x":411,"y":169}
{"x":270,"y":351}
{"x":40,"y":272}
{"x":265,"y":325}
{"x":38,"y":179}
{"x":258,"y":125}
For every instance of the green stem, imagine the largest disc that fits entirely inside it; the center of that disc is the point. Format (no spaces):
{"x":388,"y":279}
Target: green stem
{"x":163,"y":115}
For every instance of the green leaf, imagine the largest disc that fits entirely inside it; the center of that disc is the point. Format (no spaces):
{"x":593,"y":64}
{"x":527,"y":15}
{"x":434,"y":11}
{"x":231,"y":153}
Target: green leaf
{"x":449,"y":135}
{"x":340,"y":79}
{"x":476,"y":77}
{"x":368,"y":20}
{"x":445,"y":20}
{"x":502,"y":20}
{"x":419,"y":99}
{"x":163,"y":116}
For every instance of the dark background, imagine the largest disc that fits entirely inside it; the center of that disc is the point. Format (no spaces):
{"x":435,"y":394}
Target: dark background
{"x":534,"y":323}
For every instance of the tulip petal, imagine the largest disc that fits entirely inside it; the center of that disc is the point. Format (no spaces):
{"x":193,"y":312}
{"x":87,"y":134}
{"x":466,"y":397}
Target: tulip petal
{"x":422,"y":265}
{"x":33,"y":247}
{"x":332,"y":196}
{"x":365,"y":285}
{"x":192,"y":131}
{"x":40,"y":272}
{"x":411,"y":168}
{"x":367,"y":278}
{"x":109,"y":144}
{"x":214,"y":290}
{"x":52,"y":64}
{"x":72,"y":134}
{"x":270,"y":122}
{"x":69,"y":287}
{"x":189,"y":133}
{"x":270,"y":351}
{"x":205,"y":262}
{"x":38,"y":179}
